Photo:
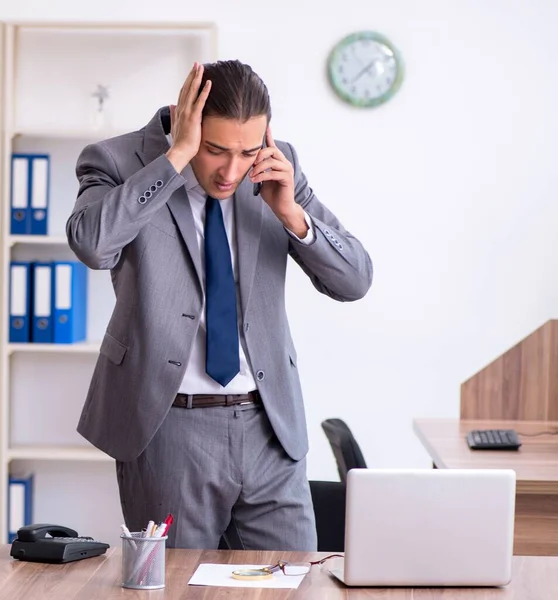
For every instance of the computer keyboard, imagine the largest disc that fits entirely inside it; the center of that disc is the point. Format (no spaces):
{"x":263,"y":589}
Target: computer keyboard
{"x":493,"y":439}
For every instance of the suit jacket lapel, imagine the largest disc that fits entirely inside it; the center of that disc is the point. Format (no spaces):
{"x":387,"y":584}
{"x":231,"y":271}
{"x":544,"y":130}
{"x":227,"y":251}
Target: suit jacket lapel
{"x":248,"y":219}
{"x":179,"y":205}
{"x":155,"y":144}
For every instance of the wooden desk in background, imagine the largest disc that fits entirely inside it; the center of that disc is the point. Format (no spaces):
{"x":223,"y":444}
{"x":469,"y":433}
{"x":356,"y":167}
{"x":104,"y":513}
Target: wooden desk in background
{"x":533,"y":578}
{"x":535,"y":465}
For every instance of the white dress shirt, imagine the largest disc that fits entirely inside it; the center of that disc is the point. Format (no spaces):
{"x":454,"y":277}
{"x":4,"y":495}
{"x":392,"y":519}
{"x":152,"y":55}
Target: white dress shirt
{"x":196,"y":380}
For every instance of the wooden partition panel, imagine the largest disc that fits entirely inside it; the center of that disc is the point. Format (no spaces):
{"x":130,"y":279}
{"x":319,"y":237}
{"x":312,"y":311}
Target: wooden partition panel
{"x":521,"y":384}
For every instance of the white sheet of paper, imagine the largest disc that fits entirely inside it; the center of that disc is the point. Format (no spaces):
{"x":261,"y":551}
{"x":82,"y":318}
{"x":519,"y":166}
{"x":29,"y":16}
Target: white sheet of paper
{"x":221,"y":576}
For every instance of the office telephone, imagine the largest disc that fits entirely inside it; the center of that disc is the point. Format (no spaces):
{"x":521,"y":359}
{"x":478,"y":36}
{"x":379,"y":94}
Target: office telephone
{"x":43,"y":542}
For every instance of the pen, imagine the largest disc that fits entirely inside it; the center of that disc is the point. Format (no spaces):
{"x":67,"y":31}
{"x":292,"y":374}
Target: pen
{"x":148,"y":529}
{"x":127,"y":533}
{"x":168,"y":523}
{"x":160,"y":531}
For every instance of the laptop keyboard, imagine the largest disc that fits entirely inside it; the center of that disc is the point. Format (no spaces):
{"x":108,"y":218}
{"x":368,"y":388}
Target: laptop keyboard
{"x":493,"y":439}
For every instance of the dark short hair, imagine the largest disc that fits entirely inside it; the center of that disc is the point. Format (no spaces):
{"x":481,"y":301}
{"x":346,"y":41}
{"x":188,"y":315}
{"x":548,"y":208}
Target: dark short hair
{"x":237,"y":92}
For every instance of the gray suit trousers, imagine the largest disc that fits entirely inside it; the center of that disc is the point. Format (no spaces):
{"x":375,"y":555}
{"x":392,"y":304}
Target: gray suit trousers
{"x":220,"y":471}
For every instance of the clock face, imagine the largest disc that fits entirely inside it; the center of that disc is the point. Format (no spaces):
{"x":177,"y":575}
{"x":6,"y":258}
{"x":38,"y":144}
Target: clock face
{"x":365,"y":69}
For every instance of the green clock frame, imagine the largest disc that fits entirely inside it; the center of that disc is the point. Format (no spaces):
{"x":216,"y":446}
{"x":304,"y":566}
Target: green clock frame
{"x":333,"y":77}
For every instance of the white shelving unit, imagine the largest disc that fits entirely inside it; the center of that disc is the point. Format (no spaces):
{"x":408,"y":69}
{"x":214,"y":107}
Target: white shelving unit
{"x":51,"y":240}
{"x":57,"y":453}
{"x":78,"y":347}
{"x":49,"y":73}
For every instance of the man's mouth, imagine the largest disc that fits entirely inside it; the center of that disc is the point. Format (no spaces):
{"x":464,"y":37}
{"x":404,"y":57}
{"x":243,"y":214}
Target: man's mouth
{"x":224,"y":186}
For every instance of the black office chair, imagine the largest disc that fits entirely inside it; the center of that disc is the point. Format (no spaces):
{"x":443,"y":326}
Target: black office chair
{"x":346,"y":450}
{"x":329,"y":498}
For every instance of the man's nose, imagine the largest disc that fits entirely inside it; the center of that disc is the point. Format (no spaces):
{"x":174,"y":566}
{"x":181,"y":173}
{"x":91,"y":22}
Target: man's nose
{"x":232,"y":170}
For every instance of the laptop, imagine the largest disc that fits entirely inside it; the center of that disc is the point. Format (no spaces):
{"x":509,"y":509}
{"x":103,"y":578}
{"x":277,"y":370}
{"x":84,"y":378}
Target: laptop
{"x":428,"y":527}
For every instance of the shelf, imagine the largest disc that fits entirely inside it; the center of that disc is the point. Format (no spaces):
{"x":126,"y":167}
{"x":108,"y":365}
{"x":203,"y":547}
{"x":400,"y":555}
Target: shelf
{"x":90,"y":135}
{"x":58,"y":240}
{"x":58,"y":453}
{"x":78,"y":347}
{"x":48,"y":64}
{"x":120,"y":28}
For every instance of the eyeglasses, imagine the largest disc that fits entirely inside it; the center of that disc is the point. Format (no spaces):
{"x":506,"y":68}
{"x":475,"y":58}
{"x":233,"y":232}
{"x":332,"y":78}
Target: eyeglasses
{"x":298,"y":568}
{"x":288,"y":568}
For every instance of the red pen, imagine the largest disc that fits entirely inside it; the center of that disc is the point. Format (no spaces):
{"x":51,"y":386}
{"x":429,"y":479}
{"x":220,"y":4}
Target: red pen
{"x":168,"y":523}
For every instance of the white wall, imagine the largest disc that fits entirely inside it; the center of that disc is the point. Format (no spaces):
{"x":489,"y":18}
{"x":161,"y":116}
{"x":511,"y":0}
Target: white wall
{"x":450,"y":187}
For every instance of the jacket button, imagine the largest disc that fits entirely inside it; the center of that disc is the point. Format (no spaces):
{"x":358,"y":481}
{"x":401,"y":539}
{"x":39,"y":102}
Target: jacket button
{"x":260,"y":375}
{"x":142,"y":199}
{"x":153,"y":188}
{"x":159,"y":183}
{"x":246,"y":326}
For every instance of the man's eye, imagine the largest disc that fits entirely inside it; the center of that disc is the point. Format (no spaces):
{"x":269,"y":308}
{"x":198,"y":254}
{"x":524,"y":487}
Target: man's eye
{"x":215,"y":152}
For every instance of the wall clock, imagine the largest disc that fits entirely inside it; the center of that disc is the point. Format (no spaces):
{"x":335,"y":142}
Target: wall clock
{"x":365,"y":69}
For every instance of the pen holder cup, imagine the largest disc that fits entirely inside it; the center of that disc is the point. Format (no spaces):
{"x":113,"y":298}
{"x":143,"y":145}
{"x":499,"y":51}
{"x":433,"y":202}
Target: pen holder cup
{"x":143,"y":562}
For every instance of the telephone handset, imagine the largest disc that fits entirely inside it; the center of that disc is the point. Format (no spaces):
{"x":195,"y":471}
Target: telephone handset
{"x":43,"y":542}
{"x":33,"y":533}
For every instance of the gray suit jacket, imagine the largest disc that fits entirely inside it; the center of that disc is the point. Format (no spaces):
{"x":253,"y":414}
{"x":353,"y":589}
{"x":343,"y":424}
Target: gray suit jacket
{"x":133,"y":216}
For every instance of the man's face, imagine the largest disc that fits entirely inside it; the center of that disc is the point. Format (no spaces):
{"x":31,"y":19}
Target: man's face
{"x":227,"y":151}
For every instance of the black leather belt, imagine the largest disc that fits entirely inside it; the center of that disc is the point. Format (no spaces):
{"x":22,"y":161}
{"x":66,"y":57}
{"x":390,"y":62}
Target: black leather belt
{"x":209,"y":400}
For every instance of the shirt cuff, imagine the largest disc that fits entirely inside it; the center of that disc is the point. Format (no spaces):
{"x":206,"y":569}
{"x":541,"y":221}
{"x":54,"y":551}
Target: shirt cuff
{"x":310,"y":235}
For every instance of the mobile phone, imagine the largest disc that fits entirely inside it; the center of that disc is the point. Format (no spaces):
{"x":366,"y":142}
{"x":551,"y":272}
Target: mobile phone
{"x":258,"y":186}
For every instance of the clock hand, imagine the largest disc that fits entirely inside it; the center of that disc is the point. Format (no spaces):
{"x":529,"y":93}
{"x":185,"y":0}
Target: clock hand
{"x":363,"y":71}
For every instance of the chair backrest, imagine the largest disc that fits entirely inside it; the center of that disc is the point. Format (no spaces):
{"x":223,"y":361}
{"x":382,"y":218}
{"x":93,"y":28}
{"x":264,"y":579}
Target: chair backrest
{"x":329,"y":499}
{"x":346,"y":450}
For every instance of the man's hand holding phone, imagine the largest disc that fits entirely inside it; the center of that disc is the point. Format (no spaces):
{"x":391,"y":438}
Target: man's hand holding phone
{"x":186,"y":119}
{"x":276,"y":174}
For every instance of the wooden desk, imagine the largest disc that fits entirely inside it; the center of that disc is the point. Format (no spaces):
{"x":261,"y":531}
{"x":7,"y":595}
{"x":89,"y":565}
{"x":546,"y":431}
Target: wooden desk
{"x":535,"y":465}
{"x":534,"y":578}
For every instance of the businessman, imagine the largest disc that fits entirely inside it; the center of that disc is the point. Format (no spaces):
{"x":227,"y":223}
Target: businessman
{"x":196,"y":391}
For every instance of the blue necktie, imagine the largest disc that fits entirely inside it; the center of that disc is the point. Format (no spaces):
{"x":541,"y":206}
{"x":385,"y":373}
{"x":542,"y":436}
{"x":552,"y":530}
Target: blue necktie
{"x":222,"y":362}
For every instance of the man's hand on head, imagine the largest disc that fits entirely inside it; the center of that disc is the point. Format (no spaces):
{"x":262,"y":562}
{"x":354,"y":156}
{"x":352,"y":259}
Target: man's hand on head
{"x":186,"y":119}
